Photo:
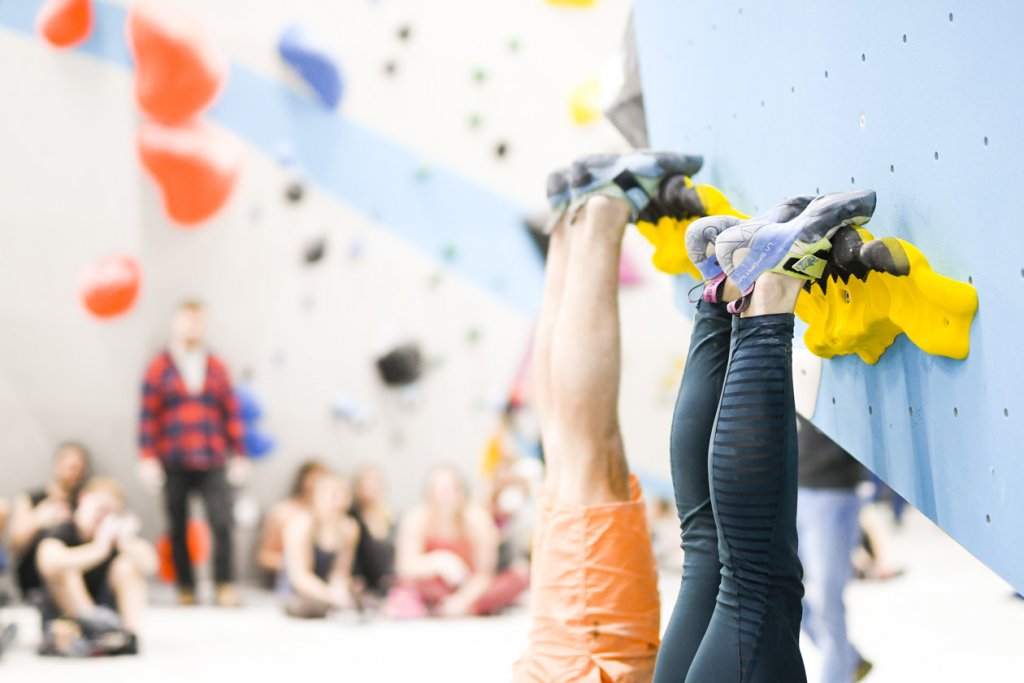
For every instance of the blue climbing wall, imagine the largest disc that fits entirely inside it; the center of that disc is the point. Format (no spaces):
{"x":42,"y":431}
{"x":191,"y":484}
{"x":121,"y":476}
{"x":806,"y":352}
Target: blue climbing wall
{"x":920,"y":101}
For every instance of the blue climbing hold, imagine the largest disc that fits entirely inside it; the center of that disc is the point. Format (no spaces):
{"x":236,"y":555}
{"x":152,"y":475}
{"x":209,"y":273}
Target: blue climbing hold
{"x":249,"y":406}
{"x":312,"y":59}
{"x":258,"y":444}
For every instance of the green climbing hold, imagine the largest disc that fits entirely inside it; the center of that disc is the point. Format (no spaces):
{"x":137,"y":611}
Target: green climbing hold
{"x":451,"y":252}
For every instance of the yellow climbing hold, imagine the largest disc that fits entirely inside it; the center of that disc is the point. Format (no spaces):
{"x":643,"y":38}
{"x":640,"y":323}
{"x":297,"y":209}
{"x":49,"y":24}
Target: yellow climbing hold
{"x":668,"y":236}
{"x":935,"y":311}
{"x":851,"y":317}
{"x":573,"y":3}
{"x":858,"y":316}
{"x":585,"y":102}
{"x":865,"y":317}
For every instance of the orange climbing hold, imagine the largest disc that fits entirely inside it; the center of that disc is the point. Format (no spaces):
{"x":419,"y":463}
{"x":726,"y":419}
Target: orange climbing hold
{"x":65,"y":23}
{"x":195,"y":166}
{"x":178,"y":69}
{"x":198,"y":541}
{"x":110,"y":286}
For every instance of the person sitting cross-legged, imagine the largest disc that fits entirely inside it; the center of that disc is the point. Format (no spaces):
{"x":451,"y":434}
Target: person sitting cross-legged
{"x":319,"y":548}
{"x":94,"y":571}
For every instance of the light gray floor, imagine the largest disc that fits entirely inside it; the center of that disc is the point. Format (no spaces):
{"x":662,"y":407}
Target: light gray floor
{"x":948,"y":619}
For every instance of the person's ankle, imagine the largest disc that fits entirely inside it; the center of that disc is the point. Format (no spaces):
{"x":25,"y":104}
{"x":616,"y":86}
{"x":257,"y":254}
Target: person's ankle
{"x":773,"y":293}
{"x":604,"y":209}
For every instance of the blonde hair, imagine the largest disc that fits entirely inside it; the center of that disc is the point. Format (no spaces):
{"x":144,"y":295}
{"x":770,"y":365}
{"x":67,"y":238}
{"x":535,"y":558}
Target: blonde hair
{"x":105,"y":485}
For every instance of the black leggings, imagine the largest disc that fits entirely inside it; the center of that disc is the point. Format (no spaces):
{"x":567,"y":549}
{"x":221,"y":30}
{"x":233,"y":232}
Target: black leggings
{"x":737,"y":616}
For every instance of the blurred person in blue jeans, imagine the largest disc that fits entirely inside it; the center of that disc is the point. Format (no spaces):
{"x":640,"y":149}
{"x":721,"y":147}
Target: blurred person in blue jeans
{"x":828,"y":507}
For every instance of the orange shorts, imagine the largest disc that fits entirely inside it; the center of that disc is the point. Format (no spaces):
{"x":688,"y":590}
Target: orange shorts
{"x":594,"y":595}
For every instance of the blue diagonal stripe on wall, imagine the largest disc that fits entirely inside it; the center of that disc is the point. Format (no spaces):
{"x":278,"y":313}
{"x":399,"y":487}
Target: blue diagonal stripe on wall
{"x":440,"y":212}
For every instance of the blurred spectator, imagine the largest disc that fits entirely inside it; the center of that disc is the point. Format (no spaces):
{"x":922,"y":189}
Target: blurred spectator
{"x":447,"y":556}
{"x":271,"y":550}
{"x":9,"y":631}
{"x":40,"y":510}
{"x":873,"y":558}
{"x":375,"y":556}
{"x":510,"y":467}
{"x":191,"y":440}
{"x":94,"y":568}
{"x":828,"y":506}
{"x":319,"y":548}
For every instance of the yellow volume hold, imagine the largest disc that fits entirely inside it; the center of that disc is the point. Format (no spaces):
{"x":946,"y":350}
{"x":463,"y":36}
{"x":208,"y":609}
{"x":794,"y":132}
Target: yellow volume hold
{"x":858,"y":316}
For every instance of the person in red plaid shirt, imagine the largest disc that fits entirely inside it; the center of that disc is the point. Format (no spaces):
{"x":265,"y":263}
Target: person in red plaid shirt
{"x":191,"y":439}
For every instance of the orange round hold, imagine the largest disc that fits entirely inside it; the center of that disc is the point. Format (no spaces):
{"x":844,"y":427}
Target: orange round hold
{"x":65,"y":23}
{"x":110,"y":286}
{"x":195,"y":165}
{"x":178,"y":68}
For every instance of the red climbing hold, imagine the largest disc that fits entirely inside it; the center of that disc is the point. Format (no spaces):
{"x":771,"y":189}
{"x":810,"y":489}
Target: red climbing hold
{"x":195,"y":166}
{"x":65,"y":23}
{"x":197,"y":539}
{"x":110,"y":286}
{"x":178,"y":69}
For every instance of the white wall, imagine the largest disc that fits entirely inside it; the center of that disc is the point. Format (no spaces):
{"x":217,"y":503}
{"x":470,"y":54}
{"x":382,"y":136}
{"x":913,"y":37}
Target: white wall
{"x":71,"y":190}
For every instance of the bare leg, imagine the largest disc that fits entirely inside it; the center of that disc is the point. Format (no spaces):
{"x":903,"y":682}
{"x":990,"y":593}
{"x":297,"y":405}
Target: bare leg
{"x":129,"y":586}
{"x":69,"y":593}
{"x":775,"y":293}
{"x":583,"y":442}
{"x":554,"y":285}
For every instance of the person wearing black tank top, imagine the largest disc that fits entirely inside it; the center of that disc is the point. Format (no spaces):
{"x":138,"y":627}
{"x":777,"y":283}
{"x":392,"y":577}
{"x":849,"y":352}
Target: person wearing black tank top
{"x":37,"y":512}
{"x":319,"y":548}
{"x":94,"y":568}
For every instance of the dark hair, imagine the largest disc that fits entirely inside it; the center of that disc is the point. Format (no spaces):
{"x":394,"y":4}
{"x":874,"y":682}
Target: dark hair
{"x":307,"y":468}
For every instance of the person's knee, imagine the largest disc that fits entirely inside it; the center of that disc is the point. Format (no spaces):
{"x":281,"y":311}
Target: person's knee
{"x":50,"y":573}
{"x":123,"y":571}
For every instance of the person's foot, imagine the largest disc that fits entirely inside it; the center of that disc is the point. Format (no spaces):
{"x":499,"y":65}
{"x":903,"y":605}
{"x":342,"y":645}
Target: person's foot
{"x":130,"y":648}
{"x":797,"y":248}
{"x":635,"y":177}
{"x":7,"y":635}
{"x":864,"y":667}
{"x":227,"y":596}
{"x":700,"y":246}
{"x":187,"y":597}
{"x":702,"y":233}
{"x":558,"y":199}
{"x":98,"y":622}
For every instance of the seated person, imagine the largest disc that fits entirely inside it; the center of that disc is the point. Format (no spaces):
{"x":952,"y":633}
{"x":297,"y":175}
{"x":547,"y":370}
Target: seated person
{"x":375,"y":556}
{"x":319,"y":547}
{"x":39,"y":511}
{"x":271,"y":552}
{"x":8,"y":632}
{"x":447,"y":556}
{"x":94,"y":569}
{"x":5,"y":512}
